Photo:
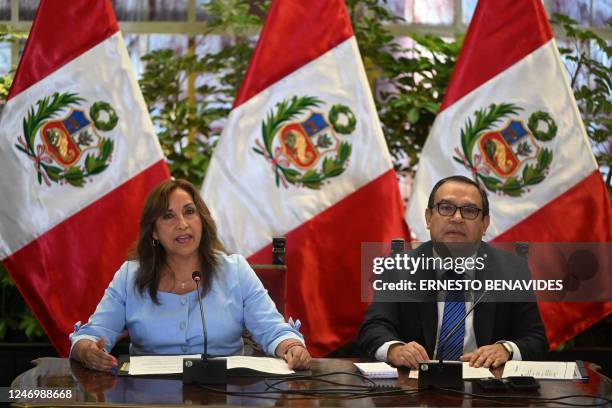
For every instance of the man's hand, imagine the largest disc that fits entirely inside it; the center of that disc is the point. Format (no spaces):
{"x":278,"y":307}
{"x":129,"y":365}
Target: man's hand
{"x":491,"y":356}
{"x":408,"y":355}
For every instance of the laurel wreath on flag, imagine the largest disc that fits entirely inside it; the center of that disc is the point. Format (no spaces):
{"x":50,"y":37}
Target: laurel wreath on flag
{"x":290,"y":109}
{"x":101,"y":106}
{"x":48,"y":108}
{"x":485,"y":119}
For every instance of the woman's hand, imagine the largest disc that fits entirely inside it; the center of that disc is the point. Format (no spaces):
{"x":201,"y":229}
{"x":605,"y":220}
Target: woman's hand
{"x":295,"y":354}
{"x":92,"y":355}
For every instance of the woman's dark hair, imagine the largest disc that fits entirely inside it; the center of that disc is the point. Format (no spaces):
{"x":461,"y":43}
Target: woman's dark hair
{"x":152,"y":256}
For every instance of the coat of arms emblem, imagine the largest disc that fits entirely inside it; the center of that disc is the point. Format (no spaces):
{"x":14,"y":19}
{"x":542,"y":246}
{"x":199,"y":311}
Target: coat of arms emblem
{"x":67,"y":148}
{"x":507,"y":159}
{"x":308,"y":150}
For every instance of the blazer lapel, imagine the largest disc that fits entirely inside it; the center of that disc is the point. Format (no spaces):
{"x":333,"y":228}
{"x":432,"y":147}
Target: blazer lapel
{"x":484,"y":322}
{"x":428,"y":309}
{"x":484,"y":312}
{"x":429,"y":318}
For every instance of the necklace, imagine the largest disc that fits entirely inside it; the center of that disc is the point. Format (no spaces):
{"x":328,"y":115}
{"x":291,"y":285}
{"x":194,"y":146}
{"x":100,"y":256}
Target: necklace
{"x":183,"y":283}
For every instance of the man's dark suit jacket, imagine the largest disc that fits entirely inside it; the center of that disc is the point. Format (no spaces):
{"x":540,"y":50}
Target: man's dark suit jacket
{"x":418,"y":321}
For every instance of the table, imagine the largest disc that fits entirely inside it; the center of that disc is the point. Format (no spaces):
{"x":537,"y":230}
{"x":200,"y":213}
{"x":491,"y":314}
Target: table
{"x":90,"y":388}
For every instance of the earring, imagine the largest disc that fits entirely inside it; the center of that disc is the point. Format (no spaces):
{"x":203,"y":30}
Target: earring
{"x":155,"y":242}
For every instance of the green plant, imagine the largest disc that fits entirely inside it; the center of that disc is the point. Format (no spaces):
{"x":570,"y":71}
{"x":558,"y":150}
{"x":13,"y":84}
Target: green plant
{"x":15,"y":316}
{"x":183,"y":128}
{"x":593,"y":91}
{"x":7,"y":35}
{"x":408,"y":84}
{"x":17,"y":323}
{"x":185,"y":122}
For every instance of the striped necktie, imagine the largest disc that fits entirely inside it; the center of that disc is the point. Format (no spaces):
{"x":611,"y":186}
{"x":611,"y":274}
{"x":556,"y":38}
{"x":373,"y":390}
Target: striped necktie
{"x":454,"y":311}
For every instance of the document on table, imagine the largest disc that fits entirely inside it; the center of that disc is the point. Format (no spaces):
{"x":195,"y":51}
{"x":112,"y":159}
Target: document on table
{"x":544,"y":370}
{"x":468,"y":373}
{"x":263,"y":364}
{"x":377,"y":370}
{"x":473,"y":373}
{"x":151,"y":365}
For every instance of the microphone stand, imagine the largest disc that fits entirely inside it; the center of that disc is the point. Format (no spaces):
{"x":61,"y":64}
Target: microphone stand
{"x":445,"y":374}
{"x":204,"y":370}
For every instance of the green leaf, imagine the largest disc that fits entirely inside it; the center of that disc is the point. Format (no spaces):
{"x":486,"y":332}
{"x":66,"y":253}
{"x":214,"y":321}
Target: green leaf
{"x":53,"y":172}
{"x":311,"y":179}
{"x":30,"y":326}
{"x":90,"y":163}
{"x":344,"y":151}
{"x":413,"y":115}
{"x":291,"y":175}
{"x":74,"y":176}
{"x":432,"y":107}
{"x":532,"y":175}
{"x":544,"y":158}
{"x":332,"y":168}
{"x":512,"y":187}
{"x":491,"y":183}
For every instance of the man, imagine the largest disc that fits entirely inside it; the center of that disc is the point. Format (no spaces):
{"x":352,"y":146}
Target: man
{"x":407,"y":333}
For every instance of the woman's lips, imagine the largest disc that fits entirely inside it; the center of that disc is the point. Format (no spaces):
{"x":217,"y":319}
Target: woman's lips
{"x":182,"y":239}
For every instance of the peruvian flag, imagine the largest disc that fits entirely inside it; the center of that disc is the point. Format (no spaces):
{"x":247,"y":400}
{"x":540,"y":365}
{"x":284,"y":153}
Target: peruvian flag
{"x":78,"y":154}
{"x":303,"y":156}
{"x":510,"y":121}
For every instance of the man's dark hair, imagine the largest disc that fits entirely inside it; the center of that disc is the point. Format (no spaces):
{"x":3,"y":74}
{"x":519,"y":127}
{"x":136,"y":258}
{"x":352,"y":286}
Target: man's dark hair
{"x":465,"y":180}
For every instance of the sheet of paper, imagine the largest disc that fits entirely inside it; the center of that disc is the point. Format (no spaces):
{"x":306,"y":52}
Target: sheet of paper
{"x":547,"y":370}
{"x":471,"y":373}
{"x":377,"y":370}
{"x":263,"y":364}
{"x":149,"y":365}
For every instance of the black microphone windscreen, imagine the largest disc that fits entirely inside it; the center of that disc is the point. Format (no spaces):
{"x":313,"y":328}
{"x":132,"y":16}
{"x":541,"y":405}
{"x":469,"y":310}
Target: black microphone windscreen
{"x":196,"y":276}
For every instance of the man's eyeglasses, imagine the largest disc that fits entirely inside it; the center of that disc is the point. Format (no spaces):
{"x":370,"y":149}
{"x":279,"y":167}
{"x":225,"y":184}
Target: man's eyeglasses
{"x":469,"y":212}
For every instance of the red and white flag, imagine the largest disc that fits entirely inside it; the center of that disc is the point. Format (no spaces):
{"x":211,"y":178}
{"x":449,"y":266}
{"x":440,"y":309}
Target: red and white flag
{"x":78,"y":154}
{"x":509,"y":120}
{"x":303,"y":156}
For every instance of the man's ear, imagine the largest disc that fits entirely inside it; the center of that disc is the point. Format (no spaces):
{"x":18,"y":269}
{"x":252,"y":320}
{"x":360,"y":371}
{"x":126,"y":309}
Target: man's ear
{"x":428,"y":215}
{"x":486,"y":220}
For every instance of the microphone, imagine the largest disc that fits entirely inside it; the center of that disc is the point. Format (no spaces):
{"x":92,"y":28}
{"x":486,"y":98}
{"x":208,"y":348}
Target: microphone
{"x":203,"y":370}
{"x":197,"y":277}
{"x":445,"y":374}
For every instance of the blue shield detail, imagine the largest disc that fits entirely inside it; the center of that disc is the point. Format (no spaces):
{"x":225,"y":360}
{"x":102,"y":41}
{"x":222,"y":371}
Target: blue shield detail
{"x":514,"y":132}
{"x":76,"y":121}
{"x":314,"y":124}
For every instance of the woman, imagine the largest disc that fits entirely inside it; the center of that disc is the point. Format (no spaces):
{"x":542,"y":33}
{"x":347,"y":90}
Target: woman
{"x":155,"y":297}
